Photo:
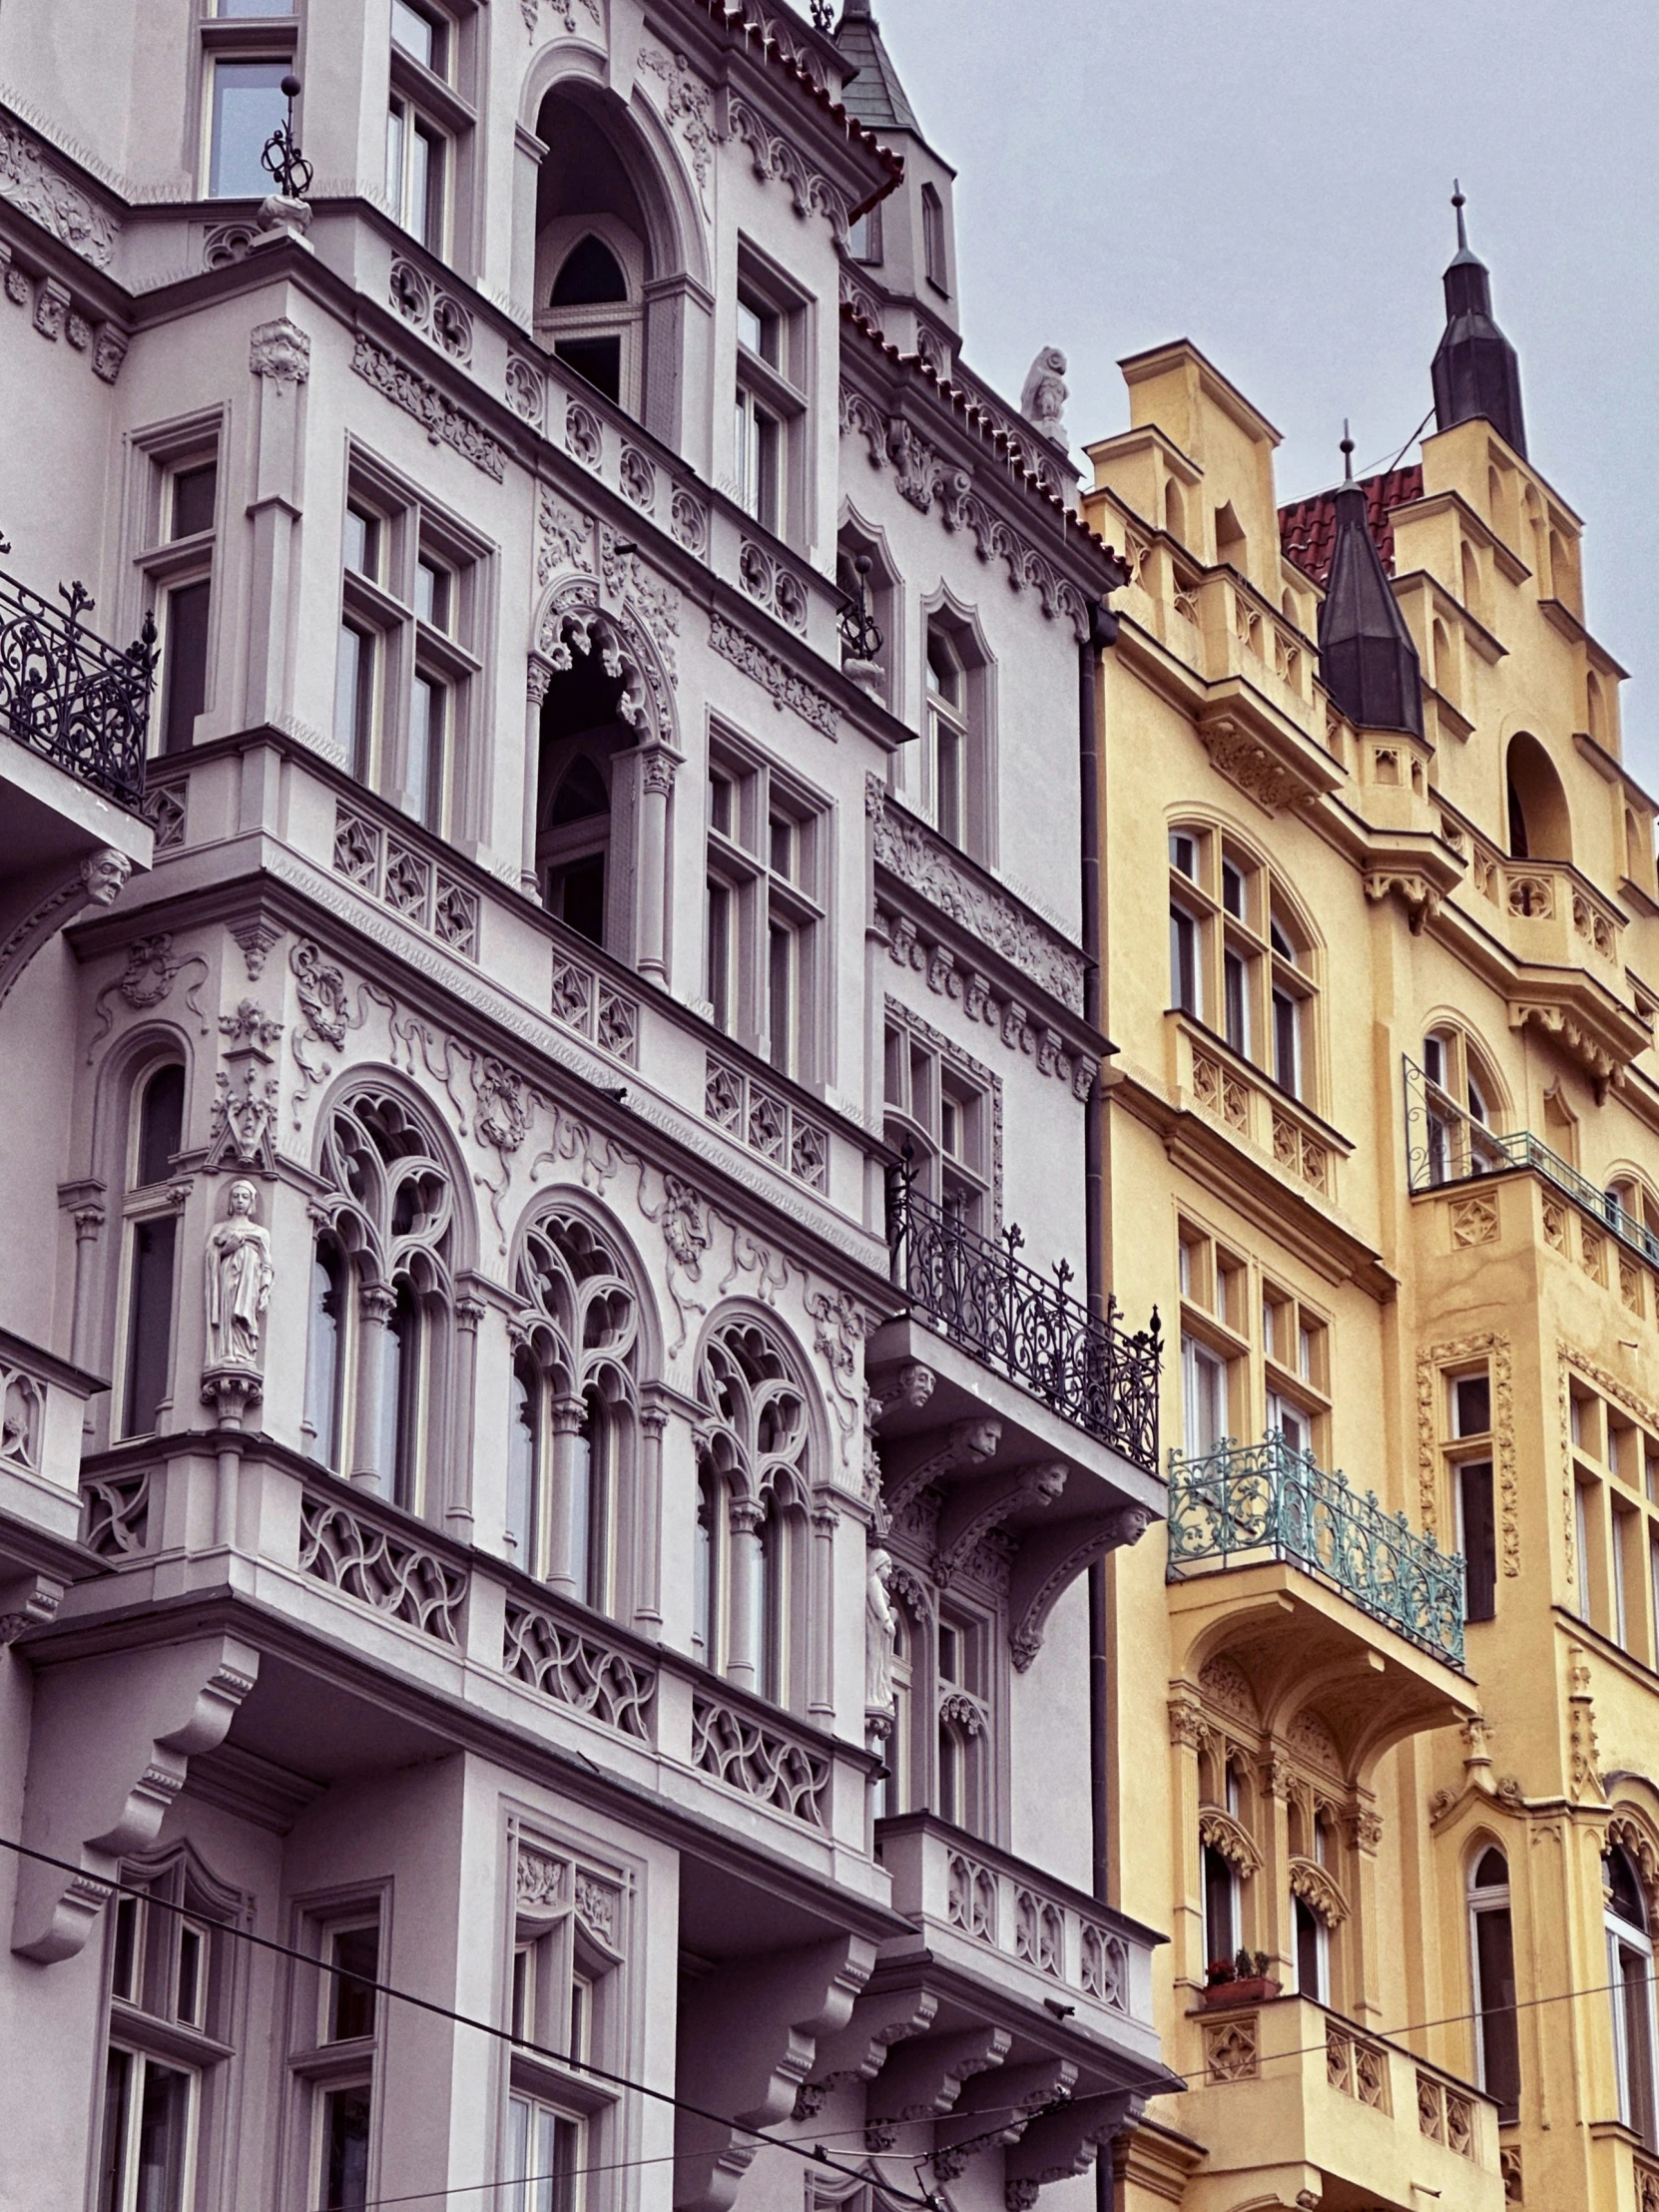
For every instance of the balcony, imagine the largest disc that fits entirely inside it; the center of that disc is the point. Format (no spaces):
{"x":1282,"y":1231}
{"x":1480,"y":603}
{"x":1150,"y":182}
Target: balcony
{"x":1446,"y":1145}
{"x":981,"y":1296}
{"x":66,"y":695}
{"x":1313,"y":2110}
{"x":1242,"y":1504}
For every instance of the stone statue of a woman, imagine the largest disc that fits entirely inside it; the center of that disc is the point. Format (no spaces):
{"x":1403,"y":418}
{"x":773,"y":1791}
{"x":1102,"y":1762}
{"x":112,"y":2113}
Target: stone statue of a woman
{"x":239,"y":1279}
{"x":881,"y":1635}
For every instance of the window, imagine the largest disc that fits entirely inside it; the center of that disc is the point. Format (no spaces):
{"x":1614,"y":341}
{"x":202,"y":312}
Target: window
{"x":1492,"y":1951}
{"x":1630,"y":1975}
{"x":382,"y":1295}
{"x":764,"y":918}
{"x":1235,"y":945}
{"x":770,"y":401}
{"x":1459,"y":1109}
{"x":1312,"y":1951}
{"x":1221,"y":1909}
{"x":1204,"y":1397}
{"x":754,"y":1471}
{"x":168,"y":2021}
{"x":864,"y":238}
{"x":180,"y":502}
{"x":150,"y":1227}
{"x":595,"y":315}
{"x":333,"y":2053}
{"x":947,"y":741}
{"x":942,"y":1110}
{"x":405,"y":671}
{"x":935,"y":257}
{"x":574,"y":1422}
{"x":559,"y":2118}
{"x":245,"y":103}
{"x":1251,"y":1348}
{"x":426,"y":122}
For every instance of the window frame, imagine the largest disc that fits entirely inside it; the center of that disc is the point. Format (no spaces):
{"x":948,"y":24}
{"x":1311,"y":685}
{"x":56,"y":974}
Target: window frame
{"x":144,"y":1204}
{"x":967,"y":1184}
{"x":318,"y":2066}
{"x":1238,"y":941}
{"x":760,"y":901}
{"x":970,"y":721}
{"x":407,"y":650}
{"x":438,"y":105}
{"x":775,"y":389}
{"x":168,"y":563}
{"x":273,"y":40}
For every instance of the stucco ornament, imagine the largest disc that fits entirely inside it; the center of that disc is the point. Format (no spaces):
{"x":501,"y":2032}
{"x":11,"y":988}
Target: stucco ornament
{"x":880,"y":1634}
{"x":240,"y":1275}
{"x":105,"y":875}
{"x":1043,"y":399}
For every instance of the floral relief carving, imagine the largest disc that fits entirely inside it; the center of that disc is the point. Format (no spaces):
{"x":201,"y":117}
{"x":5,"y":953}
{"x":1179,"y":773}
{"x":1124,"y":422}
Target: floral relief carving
{"x":31,"y":181}
{"x":146,"y":982}
{"x":780,"y":682}
{"x":443,"y":421}
{"x":1474,"y":1220}
{"x":773,"y":156}
{"x":280,"y":351}
{"x":688,"y":106}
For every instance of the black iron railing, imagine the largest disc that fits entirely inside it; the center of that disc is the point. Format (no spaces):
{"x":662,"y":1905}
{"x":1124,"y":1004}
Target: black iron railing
{"x":1093,"y":1371}
{"x":68,"y":696}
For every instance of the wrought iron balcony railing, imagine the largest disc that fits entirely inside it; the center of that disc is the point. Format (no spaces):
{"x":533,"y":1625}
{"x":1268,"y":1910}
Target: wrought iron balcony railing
{"x":1445,"y":1144}
{"x":68,"y":696}
{"x":1269,"y":1499}
{"x":1093,"y":1371}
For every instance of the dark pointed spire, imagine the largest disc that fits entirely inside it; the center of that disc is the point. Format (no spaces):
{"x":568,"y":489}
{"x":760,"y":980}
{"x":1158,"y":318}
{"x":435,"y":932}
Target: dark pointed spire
{"x":872,"y":95}
{"x":1367,"y":659}
{"x":1475,"y":370}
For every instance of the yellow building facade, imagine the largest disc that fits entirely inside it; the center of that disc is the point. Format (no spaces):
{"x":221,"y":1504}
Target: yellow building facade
{"x":1382,"y":1141}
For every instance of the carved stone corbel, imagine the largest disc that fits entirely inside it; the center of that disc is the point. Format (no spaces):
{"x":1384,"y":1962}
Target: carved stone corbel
{"x":924,"y":2079}
{"x":996,"y":2111}
{"x":1065,"y":2143}
{"x":860,"y":2049}
{"x":28,"y":1601}
{"x":112,"y":1742}
{"x":974,"y":1509}
{"x":968,"y":1443}
{"x":748,"y":2035}
{"x":1051,"y":1561}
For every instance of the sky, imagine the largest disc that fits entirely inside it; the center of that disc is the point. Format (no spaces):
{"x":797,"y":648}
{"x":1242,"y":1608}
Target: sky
{"x":1270,"y":178}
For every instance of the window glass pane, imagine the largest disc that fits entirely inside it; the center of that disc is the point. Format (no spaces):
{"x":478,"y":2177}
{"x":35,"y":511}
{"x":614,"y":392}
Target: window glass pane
{"x":1284,"y":1055}
{"x":254,"y":7}
{"x":351,"y":1997}
{"x":949,"y":771}
{"x":432,"y":593}
{"x":111,"y":2167}
{"x":598,"y":360}
{"x":396,"y":128}
{"x":415,"y":32}
{"x":193,"y":491}
{"x":521,"y":1469}
{"x":781,"y":996}
{"x":163,"y":2139}
{"x":426,"y":752}
{"x":124,"y":1949}
{"x":362,"y":542}
{"x":354,"y":697}
{"x":1310,"y":1959}
{"x":160,"y":1125}
{"x":720,"y":954}
{"x":1235,"y":1010}
{"x":150,"y":1324}
{"x":417,"y":153}
{"x":329,"y":1290}
{"x":399,"y":1406}
{"x":345,"y":2115}
{"x":192,"y":1983}
{"x":427,"y":181}
{"x":1220,"y":1934}
{"x":187,"y":664}
{"x":1477,"y":1536}
{"x":1183,"y":961}
{"x":247,"y":105}
{"x":1471,"y":1406}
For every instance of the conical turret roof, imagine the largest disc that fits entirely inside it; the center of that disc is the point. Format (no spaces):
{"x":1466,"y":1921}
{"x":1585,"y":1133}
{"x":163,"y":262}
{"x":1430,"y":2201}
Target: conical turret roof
{"x":1475,"y":371}
{"x":1367,"y":659}
{"x":875,"y":97}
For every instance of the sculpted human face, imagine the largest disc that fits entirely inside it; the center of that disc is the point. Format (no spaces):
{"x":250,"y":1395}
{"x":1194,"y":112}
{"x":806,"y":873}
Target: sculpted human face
{"x":241,"y":1197}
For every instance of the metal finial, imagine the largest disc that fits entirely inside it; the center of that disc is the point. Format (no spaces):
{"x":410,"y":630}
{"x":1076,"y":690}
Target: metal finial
{"x":1459,"y":202}
{"x":1347,"y":453}
{"x":281,"y":159}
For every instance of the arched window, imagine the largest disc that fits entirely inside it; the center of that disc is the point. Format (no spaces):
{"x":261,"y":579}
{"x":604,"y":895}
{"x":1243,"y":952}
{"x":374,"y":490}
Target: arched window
{"x":582,"y":732}
{"x":594,"y":246}
{"x":1630,"y":1978}
{"x":151,"y":1231}
{"x":1240,"y":958}
{"x":1231,"y":550}
{"x":1633,"y":1213}
{"x":1445,"y":664}
{"x":1473,"y":597}
{"x":964,"y":1724}
{"x":1175,"y":511}
{"x":752,"y":1568}
{"x":955,"y":766}
{"x":574,"y":1429}
{"x":1461,"y":1106}
{"x":1492,"y":1954}
{"x":1540,"y":825}
{"x":377,"y":1388}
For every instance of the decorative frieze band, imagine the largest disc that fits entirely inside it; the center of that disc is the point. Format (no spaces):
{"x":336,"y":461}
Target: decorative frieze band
{"x":785,"y":687}
{"x":444,"y":422}
{"x":31,"y":181}
{"x":912,"y":852}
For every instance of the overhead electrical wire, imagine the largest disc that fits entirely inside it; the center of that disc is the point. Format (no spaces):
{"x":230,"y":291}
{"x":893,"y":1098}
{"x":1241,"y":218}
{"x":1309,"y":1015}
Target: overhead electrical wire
{"x":813,"y":2154}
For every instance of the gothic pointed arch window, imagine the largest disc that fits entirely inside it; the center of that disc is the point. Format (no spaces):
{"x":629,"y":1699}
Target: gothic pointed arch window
{"x":754,"y":1498}
{"x":1492,"y":1960}
{"x":1628,"y":1925}
{"x":574,"y":1430}
{"x":602,"y":234}
{"x":382,"y":1301}
{"x":150,"y":1231}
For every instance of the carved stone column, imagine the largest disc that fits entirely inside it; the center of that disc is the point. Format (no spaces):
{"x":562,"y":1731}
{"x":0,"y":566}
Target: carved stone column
{"x":280,"y":360}
{"x":567,"y":1430}
{"x":1365,"y":1836}
{"x":89,"y":1227}
{"x":647,"y":1532}
{"x":656,"y":783}
{"x":743,"y":1652}
{"x":457,"y":1512}
{"x":377,"y":1302}
{"x":537,"y":678}
{"x":820,"y":1675}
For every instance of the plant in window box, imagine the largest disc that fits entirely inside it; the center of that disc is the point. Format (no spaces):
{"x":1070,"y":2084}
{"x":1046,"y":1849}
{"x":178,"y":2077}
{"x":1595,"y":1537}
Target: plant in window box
{"x":1241,"y":1980}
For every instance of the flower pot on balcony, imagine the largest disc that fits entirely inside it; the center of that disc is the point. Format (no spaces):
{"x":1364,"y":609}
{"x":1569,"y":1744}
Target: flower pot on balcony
{"x":1254,"y":1989}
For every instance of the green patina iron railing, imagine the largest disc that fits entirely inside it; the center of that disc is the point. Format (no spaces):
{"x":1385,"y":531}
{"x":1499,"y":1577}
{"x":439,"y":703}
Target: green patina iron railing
{"x":1269,"y":1499}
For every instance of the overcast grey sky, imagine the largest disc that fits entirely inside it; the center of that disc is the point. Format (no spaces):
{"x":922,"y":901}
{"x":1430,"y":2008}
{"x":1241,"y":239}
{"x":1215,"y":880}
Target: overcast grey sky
{"x":1270,"y":177}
